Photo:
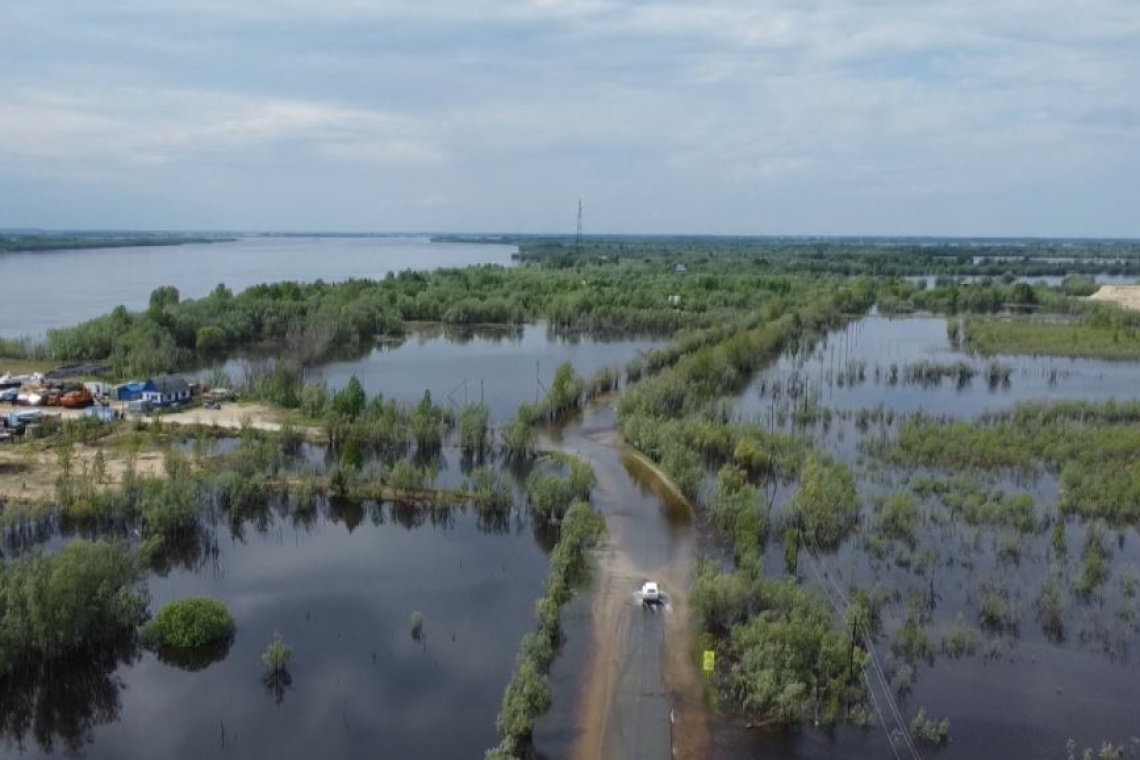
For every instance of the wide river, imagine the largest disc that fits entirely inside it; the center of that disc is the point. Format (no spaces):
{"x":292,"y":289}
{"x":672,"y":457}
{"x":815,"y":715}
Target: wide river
{"x":43,"y":290}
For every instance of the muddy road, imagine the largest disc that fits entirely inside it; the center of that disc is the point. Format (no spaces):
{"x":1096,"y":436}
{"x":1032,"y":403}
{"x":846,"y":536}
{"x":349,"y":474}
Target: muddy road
{"x":640,"y":694}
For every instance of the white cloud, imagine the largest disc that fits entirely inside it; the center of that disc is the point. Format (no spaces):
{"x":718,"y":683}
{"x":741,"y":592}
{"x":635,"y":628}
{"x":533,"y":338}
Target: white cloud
{"x":132,"y":128}
{"x":722,"y":99}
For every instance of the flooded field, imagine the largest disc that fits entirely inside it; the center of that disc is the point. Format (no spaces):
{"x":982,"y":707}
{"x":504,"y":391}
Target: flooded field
{"x":981,"y":622}
{"x":501,"y":368}
{"x":887,"y":360}
{"x":340,"y":586}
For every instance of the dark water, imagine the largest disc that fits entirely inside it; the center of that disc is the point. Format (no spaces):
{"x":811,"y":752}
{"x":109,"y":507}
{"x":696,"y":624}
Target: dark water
{"x":1021,"y":693}
{"x":877,"y":342}
{"x":500,"y":367}
{"x":341,"y":592}
{"x":39,"y":291}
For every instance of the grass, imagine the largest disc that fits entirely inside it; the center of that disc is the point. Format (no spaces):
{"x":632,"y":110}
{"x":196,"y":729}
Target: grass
{"x":26,"y":366}
{"x":1074,"y":339}
{"x":1092,"y":447}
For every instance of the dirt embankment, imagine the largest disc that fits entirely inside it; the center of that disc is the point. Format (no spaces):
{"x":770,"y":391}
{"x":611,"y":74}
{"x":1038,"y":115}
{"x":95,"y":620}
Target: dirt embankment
{"x":1127,"y":296}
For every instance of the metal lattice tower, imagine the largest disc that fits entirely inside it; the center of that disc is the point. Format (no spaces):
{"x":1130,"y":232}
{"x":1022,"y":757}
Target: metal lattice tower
{"x":578,"y":234}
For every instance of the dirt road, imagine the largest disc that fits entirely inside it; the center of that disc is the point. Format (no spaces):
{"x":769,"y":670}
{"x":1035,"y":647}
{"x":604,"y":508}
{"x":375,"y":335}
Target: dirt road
{"x":637,"y":700}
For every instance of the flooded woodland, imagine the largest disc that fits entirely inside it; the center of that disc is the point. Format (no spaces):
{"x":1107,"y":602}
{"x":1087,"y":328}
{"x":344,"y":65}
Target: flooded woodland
{"x":896,"y":539}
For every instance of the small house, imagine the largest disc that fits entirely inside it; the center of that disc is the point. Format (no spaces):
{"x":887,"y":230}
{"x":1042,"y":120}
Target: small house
{"x":679,"y":269}
{"x":166,"y":390}
{"x":129,"y":391}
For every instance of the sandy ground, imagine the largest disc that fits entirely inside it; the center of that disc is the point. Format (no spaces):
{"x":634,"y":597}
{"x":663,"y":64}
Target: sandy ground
{"x":1127,"y":296}
{"x":28,"y":471}
{"x":229,"y":416}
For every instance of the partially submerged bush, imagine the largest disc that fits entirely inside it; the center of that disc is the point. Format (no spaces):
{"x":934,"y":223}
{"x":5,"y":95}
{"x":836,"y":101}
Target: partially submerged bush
{"x":190,"y":623}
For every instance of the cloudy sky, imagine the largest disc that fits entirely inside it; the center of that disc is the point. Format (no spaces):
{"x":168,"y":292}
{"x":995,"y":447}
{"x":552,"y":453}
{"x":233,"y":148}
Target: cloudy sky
{"x":958,"y":117}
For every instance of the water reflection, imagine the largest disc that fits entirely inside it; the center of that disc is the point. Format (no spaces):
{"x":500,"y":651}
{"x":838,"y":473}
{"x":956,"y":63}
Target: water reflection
{"x":58,"y":705}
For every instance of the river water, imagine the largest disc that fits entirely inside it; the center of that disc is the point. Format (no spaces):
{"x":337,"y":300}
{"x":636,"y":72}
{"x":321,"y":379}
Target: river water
{"x":43,"y":290}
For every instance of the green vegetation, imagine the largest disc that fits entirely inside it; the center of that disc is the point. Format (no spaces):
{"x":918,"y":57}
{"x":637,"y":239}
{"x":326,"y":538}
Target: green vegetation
{"x":190,"y":623}
{"x":970,"y":501}
{"x":276,"y":657}
{"x":1107,"y":333}
{"x":88,"y":594}
{"x":527,"y":695}
{"x":826,"y":506}
{"x":787,"y":662}
{"x":1091,"y":446}
{"x":929,"y":730}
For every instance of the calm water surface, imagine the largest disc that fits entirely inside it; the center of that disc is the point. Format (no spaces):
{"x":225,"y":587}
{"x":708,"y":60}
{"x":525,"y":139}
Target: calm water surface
{"x":503,"y":368}
{"x":1021,"y":693}
{"x":39,"y":291}
{"x":341,"y":592}
{"x":878,"y":342}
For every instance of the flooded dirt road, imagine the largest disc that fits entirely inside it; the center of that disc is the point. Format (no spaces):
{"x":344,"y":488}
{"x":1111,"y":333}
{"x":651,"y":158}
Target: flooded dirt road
{"x":640,"y":694}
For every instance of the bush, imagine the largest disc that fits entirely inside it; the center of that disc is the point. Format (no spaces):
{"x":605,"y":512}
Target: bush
{"x":90,"y":592}
{"x":929,"y":730}
{"x":276,"y":656}
{"x":826,"y":507}
{"x":190,"y":623}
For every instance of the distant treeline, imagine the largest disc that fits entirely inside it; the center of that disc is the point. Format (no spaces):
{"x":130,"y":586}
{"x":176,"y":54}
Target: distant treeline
{"x":36,"y":242}
{"x":847,"y":256}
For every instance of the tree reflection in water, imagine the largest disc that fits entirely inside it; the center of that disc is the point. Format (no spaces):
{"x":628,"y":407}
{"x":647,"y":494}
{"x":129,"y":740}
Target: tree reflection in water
{"x":60,"y":703}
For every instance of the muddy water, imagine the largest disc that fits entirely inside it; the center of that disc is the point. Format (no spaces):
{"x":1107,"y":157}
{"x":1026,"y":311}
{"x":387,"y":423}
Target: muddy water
{"x":1019,"y":692}
{"x":340,"y":589}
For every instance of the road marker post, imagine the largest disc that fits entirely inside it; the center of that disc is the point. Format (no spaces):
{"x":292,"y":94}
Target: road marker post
{"x":708,"y":662}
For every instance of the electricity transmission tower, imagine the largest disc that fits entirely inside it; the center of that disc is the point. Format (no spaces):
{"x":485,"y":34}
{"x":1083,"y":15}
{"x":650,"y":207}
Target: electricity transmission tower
{"x":578,"y":234}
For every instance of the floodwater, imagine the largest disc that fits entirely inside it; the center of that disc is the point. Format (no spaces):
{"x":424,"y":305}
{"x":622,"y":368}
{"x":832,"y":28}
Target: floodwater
{"x":341,"y":590}
{"x":1019,"y":692}
{"x":45,"y":290}
{"x":501,"y":367}
{"x":830,"y":373}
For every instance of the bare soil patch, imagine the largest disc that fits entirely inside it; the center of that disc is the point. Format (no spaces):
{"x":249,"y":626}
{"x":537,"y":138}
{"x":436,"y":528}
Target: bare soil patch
{"x":1127,"y":296}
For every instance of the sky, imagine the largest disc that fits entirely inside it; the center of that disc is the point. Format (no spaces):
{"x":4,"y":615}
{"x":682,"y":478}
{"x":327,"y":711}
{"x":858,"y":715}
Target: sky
{"x":769,"y":117}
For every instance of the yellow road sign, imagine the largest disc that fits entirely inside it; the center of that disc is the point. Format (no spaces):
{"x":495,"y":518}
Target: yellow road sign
{"x":708,"y":661}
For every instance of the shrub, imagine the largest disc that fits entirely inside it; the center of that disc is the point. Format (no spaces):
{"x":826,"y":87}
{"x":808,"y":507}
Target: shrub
{"x":190,"y":623}
{"x":826,"y":507}
{"x":276,"y":656}
{"x":929,"y":730}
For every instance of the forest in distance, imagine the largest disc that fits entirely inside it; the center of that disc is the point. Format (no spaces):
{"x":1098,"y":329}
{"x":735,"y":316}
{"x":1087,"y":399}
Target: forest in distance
{"x":852,"y":558}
